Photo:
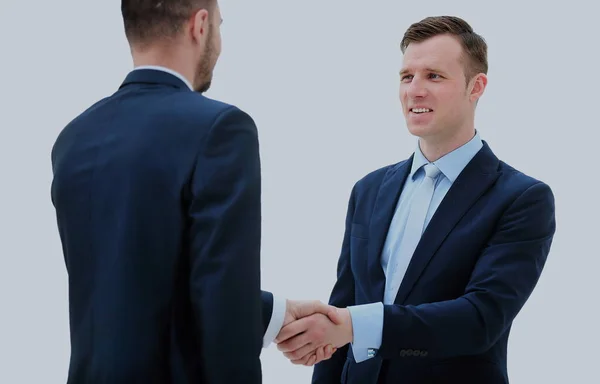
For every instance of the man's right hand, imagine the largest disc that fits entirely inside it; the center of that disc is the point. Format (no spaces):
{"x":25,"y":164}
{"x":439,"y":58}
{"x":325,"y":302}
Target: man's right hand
{"x":296,"y":310}
{"x":298,"y":339}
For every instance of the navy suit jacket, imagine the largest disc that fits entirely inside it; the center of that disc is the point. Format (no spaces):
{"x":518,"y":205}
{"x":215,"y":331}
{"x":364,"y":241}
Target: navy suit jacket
{"x":476,"y":264}
{"x":157,"y":195}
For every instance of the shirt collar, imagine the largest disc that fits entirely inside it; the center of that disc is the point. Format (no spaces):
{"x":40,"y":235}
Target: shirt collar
{"x":168,"y":70}
{"x":451,"y":164}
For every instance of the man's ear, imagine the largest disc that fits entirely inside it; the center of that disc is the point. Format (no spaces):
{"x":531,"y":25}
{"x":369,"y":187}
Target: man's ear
{"x":478,"y":84}
{"x":199,"y":24}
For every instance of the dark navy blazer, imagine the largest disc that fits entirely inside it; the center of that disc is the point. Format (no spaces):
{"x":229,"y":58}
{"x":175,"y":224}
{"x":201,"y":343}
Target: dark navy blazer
{"x":157,"y":195}
{"x":476,"y":265}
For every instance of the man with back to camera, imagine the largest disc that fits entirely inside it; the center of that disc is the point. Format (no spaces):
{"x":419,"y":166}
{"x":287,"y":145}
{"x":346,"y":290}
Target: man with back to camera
{"x":157,"y":195}
{"x":442,"y":250}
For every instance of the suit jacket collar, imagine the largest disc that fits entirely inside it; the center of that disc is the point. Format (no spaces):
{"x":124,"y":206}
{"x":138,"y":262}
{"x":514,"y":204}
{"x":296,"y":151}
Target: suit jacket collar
{"x":155,"y":75}
{"x":479,"y":175}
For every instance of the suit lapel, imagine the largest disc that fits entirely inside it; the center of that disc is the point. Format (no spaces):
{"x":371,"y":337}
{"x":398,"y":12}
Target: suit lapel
{"x":477,"y":177}
{"x":383,"y":212}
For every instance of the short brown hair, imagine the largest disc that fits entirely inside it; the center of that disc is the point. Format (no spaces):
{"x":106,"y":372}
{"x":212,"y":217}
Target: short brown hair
{"x":147,"y":21}
{"x":474,"y":46}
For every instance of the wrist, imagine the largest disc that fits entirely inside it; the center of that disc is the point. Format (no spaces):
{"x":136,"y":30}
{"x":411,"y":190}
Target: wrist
{"x":347,"y":328}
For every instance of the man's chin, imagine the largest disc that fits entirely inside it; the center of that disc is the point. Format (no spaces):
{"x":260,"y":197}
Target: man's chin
{"x":419,"y":130}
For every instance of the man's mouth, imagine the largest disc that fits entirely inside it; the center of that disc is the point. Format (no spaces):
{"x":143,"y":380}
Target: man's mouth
{"x":421,"y":110}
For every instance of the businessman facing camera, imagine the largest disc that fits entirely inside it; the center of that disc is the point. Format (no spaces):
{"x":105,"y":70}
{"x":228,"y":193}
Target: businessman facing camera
{"x":441,"y":250}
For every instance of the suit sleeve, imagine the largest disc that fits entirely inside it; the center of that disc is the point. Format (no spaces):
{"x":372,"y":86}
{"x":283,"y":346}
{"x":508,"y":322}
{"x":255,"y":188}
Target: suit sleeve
{"x":225,"y":231}
{"x":267,"y":308}
{"x":502,"y":281}
{"x":342,"y":296}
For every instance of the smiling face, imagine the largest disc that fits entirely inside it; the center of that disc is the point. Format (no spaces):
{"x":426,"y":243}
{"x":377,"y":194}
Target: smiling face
{"x":438,"y":100}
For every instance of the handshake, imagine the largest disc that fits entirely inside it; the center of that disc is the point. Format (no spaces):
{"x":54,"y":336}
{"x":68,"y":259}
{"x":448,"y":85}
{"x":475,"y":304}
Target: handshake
{"x":312,"y":331}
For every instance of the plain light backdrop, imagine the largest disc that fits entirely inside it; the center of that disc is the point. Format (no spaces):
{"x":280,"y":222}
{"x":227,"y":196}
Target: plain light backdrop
{"x":321,"y":80}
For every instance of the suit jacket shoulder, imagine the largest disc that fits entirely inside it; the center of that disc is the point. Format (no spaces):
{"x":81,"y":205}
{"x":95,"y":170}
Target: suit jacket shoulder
{"x":515,"y":182}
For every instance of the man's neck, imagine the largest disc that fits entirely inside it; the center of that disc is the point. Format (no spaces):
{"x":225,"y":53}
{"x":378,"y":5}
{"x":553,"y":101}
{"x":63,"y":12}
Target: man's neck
{"x":433,"y":149}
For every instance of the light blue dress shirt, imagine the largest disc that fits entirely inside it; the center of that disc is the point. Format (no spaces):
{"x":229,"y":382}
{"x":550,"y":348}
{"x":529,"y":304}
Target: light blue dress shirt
{"x":367,"y":319}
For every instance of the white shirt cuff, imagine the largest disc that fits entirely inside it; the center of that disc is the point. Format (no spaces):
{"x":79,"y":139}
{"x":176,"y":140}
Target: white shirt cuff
{"x":277,"y":317}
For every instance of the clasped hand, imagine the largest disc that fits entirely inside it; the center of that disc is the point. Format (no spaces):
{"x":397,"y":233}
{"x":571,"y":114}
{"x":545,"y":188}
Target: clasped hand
{"x":312,"y":331}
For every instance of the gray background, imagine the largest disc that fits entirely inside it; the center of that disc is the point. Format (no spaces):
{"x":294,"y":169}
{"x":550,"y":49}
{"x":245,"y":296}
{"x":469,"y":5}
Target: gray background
{"x":321,"y":80}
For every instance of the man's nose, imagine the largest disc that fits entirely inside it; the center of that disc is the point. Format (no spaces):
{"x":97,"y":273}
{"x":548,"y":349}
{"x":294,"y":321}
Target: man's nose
{"x":417,"y":88}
